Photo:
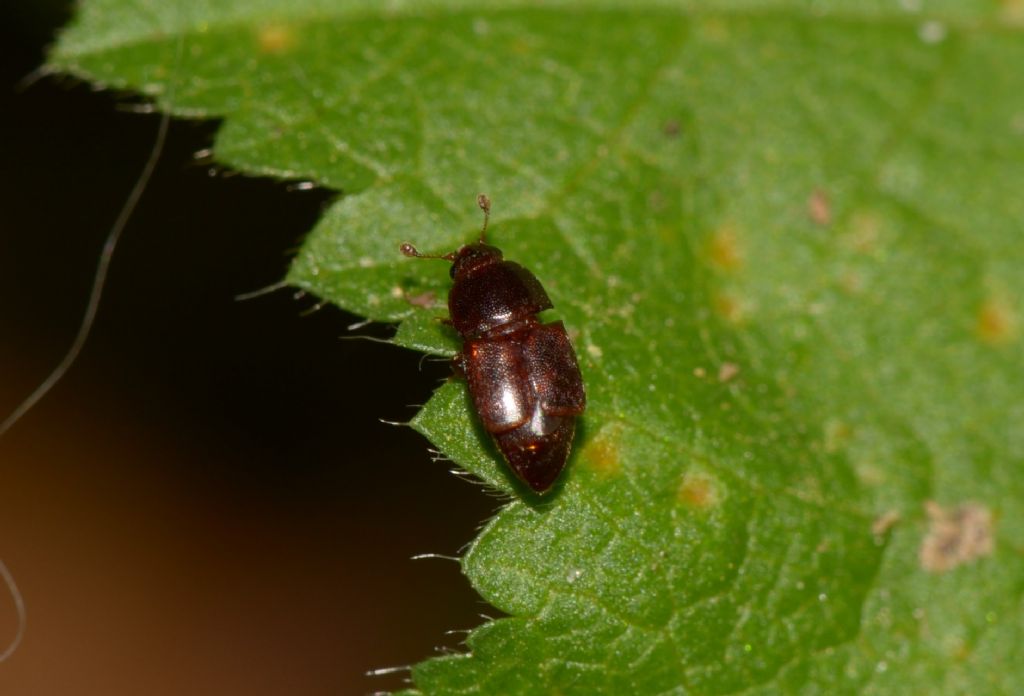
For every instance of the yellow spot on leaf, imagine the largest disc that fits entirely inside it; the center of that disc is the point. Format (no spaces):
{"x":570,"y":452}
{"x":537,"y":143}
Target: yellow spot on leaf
{"x":955,"y":536}
{"x":960,"y":650}
{"x":521,"y":46}
{"x":714,"y":29}
{"x":698,"y":490}
{"x":602,"y":452}
{"x":869,"y":474}
{"x":1012,"y":11}
{"x":276,"y":38}
{"x":729,"y":307}
{"x":837,"y":435}
{"x":724,"y":250}
{"x":864,"y":232}
{"x":996,"y":322}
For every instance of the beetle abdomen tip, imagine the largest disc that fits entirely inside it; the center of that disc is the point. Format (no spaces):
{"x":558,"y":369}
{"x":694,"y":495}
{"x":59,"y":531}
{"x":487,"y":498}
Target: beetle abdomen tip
{"x":537,"y":461}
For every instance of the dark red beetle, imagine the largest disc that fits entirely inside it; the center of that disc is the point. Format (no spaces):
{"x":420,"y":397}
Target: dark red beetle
{"x":522,"y":374}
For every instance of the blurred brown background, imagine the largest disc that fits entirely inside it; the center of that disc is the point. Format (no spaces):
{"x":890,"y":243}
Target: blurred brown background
{"x":208,"y":503}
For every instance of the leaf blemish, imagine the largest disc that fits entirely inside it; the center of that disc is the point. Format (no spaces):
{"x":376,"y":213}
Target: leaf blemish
{"x":955,"y":536}
{"x":727,"y":371}
{"x":852,"y":282}
{"x":1012,"y":10}
{"x":869,"y":474}
{"x":602,"y":453}
{"x":729,"y":307}
{"x":932,"y":32}
{"x":819,"y":208}
{"x":275,"y":39}
{"x":996,"y":323}
{"x":837,"y":434}
{"x":723,"y":249}
{"x":865,"y":229}
{"x":426,"y":300}
{"x":699,"y":491}
{"x":884,"y":522}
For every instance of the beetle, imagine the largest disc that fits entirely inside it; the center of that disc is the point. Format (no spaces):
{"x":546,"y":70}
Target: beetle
{"x":522,"y":375}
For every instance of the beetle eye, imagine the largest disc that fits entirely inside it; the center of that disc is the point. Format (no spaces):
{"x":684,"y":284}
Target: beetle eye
{"x":451,"y":271}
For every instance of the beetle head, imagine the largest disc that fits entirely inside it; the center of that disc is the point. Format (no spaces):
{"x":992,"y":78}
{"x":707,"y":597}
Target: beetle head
{"x":473,"y":257}
{"x":470,"y":257}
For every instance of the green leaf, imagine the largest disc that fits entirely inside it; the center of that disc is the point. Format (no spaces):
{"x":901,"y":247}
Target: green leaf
{"x":786,"y":238}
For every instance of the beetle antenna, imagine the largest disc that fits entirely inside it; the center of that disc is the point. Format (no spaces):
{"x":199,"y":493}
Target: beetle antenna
{"x":485,"y":205}
{"x":409,"y":250}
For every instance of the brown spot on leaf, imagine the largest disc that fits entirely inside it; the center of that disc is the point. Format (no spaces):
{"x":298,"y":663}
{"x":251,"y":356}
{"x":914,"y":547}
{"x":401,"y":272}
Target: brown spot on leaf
{"x":955,"y":536}
{"x":727,"y":371}
{"x":427,"y":299}
{"x":698,"y":490}
{"x":884,"y":522}
{"x":276,"y":38}
{"x":996,"y":322}
{"x":671,"y":128}
{"x":724,"y":250}
{"x":819,"y":208}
